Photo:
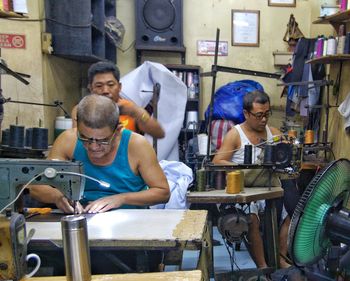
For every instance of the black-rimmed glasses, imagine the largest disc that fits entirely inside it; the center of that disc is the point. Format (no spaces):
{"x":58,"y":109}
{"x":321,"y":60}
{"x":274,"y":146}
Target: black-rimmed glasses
{"x":261,"y":115}
{"x":105,"y":141}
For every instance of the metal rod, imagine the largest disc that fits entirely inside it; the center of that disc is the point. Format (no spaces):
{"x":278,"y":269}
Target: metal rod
{"x":155,"y":99}
{"x":14,"y":74}
{"x":214,"y":71}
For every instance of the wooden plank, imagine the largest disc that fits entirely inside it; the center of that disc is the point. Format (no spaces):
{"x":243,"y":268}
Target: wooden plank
{"x":193,"y":275}
{"x":248,"y":195}
{"x":133,"y":228}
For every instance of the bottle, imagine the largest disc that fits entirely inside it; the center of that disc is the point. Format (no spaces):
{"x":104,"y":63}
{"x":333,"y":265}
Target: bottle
{"x":76,"y":248}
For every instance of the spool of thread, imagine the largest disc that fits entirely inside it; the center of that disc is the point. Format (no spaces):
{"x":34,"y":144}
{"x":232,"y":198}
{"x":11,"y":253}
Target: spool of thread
{"x":343,"y":5}
{"x":347,"y":43}
{"x":189,"y":79}
{"x":325,"y":43}
{"x":29,"y":137}
{"x":248,"y":154}
{"x":319,"y":48}
{"x":192,"y":120}
{"x":309,"y":137}
{"x":40,"y":138}
{"x":201,"y":179}
{"x":269,"y":154}
{"x":16,"y":136}
{"x":5,"y":137}
{"x":233,"y":182}
{"x":331,"y":46}
{"x":292,"y":133}
{"x":220,"y":179}
{"x":341,"y":44}
{"x":242,"y":180}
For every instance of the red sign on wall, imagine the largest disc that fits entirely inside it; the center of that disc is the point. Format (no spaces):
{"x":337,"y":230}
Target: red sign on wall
{"x":12,"y":41}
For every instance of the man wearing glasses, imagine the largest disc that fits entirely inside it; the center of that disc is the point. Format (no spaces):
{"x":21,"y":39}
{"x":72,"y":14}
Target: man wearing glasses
{"x":109,"y":153}
{"x":253,"y":131}
{"x":103,"y":79}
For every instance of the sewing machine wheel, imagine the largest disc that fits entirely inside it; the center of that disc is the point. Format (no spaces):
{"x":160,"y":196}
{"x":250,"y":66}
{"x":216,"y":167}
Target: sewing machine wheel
{"x":233,"y":224}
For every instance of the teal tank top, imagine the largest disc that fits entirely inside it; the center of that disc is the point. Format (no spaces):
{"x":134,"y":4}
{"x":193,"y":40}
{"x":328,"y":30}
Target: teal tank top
{"x":118,"y":174}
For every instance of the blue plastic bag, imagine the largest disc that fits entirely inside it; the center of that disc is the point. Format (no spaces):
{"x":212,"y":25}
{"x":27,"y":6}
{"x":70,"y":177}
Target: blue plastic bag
{"x":228,"y":100}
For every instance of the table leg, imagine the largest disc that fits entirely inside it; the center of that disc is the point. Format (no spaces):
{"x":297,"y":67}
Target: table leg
{"x":271,"y":234}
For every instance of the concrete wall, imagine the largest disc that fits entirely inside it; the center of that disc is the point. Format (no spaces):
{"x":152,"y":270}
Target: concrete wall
{"x":201,"y":24}
{"x":54,"y":78}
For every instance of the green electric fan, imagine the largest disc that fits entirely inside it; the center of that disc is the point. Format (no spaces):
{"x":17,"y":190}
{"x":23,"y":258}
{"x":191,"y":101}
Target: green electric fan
{"x":321,"y":219}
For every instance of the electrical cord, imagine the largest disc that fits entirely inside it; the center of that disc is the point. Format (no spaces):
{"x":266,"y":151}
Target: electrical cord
{"x":21,"y":191}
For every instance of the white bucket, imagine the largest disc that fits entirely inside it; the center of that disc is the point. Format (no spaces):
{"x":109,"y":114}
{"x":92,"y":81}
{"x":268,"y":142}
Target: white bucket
{"x":61,"y":124}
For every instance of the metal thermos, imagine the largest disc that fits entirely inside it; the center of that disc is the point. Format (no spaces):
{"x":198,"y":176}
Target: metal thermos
{"x":76,"y":248}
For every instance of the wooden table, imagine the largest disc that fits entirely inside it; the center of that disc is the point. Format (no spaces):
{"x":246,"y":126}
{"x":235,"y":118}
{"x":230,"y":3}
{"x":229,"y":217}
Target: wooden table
{"x":135,"y":230}
{"x":193,"y":275}
{"x":250,"y":194}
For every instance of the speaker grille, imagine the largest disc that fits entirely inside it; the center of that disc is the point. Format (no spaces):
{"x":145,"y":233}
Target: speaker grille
{"x":159,"y":15}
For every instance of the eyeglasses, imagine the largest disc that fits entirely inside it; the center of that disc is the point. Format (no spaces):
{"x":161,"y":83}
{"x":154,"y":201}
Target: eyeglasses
{"x":261,"y":115}
{"x":105,"y":141}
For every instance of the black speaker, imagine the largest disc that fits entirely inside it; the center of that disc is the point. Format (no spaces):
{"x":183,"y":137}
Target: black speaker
{"x":158,"y":24}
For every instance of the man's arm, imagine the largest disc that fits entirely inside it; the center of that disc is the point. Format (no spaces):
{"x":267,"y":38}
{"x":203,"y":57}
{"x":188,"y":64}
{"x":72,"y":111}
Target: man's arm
{"x":143,"y":156}
{"x":144,"y":121}
{"x":230,"y":143}
{"x":61,"y":150}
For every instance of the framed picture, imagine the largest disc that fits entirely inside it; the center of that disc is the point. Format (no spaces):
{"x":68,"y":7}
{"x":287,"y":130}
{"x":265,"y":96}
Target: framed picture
{"x":245,"y":28}
{"x":282,"y":3}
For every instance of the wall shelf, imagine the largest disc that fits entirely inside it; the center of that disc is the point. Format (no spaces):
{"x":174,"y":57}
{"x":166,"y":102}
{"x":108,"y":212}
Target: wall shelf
{"x":4,"y":14}
{"x":330,"y":59}
{"x":335,"y":20}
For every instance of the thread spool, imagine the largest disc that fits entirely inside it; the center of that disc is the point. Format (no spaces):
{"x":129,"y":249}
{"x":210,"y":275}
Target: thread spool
{"x":319,"y":48}
{"x":347,"y":43}
{"x":341,"y":44}
{"x":325,"y":43}
{"x":220,"y":179}
{"x":248,"y":154}
{"x":233,"y":182}
{"x":40,"y":138}
{"x":292,"y":134}
{"x":201,"y":178}
{"x":331,"y":46}
{"x":29,"y":137}
{"x":269,"y":154}
{"x":309,"y":137}
{"x":16,"y":136}
{"x":5,"y":137}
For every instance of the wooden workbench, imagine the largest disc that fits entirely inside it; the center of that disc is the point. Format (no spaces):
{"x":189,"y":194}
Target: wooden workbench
{"x":134,"y":230}
{"x":193,"y":275}
{"x":250,"y":194}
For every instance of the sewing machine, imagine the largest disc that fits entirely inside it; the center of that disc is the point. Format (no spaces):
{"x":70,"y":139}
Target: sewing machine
{"x":13,"y":174}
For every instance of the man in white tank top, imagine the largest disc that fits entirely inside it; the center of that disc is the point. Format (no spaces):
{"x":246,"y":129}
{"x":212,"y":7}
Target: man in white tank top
{"x":253,"y":131}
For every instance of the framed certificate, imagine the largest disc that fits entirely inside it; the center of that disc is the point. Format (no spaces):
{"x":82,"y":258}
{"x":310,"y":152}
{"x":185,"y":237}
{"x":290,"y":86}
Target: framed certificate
{"x":245,"y":28}
{"x":282,"y":3}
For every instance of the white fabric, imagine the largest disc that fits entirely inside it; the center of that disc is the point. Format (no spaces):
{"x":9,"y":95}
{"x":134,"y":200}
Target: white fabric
{"x":238,"y":155}
{"x":344,"y":110}
{"x":138,"y":86}
{"x":179,"y":177}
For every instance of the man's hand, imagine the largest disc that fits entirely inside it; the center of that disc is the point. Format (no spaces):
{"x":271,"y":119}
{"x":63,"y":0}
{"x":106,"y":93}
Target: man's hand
{"x":104,"y":204}
{"x":67,"y":206}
